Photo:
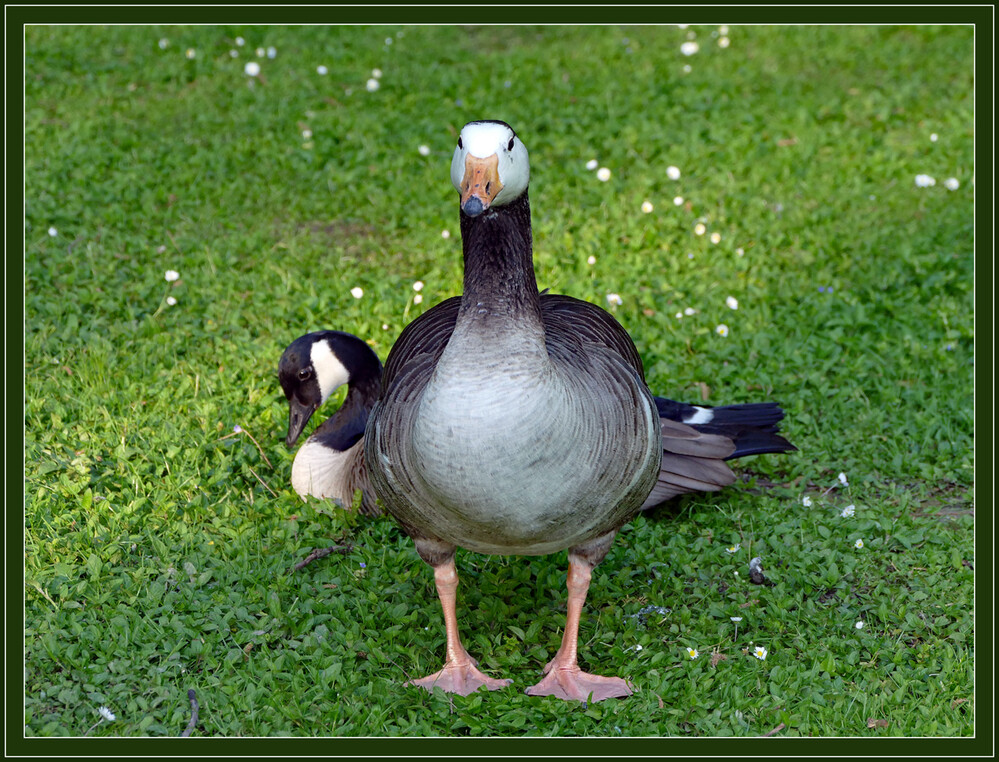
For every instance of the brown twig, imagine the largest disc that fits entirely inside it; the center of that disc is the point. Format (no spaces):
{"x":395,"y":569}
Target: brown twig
{"x":194,"y":714}
{"x":778,"y":729}
{"x":262,"y":481}
{"x":318,"y":553}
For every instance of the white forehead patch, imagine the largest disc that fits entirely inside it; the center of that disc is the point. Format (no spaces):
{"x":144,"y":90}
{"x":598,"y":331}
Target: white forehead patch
{"x":330,"y":372}
{"x":484,"y":139}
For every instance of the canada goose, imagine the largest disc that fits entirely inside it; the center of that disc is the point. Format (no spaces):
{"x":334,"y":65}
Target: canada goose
{"x":322,"y":469}
{"x":331,"y":462}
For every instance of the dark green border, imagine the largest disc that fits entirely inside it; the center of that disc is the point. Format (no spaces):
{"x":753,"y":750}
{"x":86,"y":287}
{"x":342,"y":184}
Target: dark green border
{"x":982,"y":16}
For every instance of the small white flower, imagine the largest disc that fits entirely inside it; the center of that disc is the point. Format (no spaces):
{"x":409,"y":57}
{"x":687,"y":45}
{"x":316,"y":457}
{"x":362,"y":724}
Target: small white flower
{"x":760,"y":653}
{"x":252,"y":69}
{"x":171,"y":275}
{"x":952,"y":183}
{"x":388,"y":40}
{"x":679,"y":316}
{"x":740,"y":252}
{"x":699,"y":229}
{"x":106,"y":713}
{"x":164,"y":42}
{"x":272,"y":52}
{"x":418,"y":285}
{"x":638,"y":646}
{"x":191,"y":53}
{"x":603,"y":174}
{"x":689,"y":48}
{"x":859,"y":625}
{"x":234,"y":53}
{"x":678,"y":201}
{"x":733,"y":549}
{"x":376,"y":73}
{"x":445,"y":234}
{"x":240,"y":41}
{"x":357,"y":292}
{"x":372,"y":85}
{"x":924,"y":181}
{"x":689,"y":311}
{"x":848,"y":511}
{"x":716,"y":238}
{"x":732,"y":303}
{"x":687,"y":68}
{"x":171,"y":300}
{"x":385,"y":326}
{"x":418,"y":299}
{"x":692,"y":653}
{"x":723,"y":42}
{"x":591,"y":260}
{"x":306,"y":133}
{"x":806,"y":501}
{"x":842,"y":479}
{"x":322,"y":70}
{"x":260,"y":52}
{"x":673,"y":173}
{"x":736,"y":618}
{"x":934,"y":137}
{"x":858,"y":544}
{"x":723,"y":29}
{"x":424,"y":150}
{"x":592,"y":164}
{"x":615,"y":300}
{"x":646,"y":206}
{"x":722,"y":330}
{"x":53,"y":232}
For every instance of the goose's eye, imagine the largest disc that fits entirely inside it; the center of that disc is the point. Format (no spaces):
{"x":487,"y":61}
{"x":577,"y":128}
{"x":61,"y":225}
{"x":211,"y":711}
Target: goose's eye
{"x":459,"y":143}
{"x":304,"y":373}
{"x":509,"y":146}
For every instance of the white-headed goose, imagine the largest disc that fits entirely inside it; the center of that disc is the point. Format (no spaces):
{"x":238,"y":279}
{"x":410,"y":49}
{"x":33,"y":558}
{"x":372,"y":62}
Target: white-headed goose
{"x":331,"y":462}
{"x":515,"y":423}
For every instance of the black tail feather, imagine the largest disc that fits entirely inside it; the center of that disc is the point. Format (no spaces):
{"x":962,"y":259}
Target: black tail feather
{"x":752,"y":427}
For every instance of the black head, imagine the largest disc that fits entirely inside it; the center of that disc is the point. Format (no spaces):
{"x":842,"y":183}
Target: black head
{"x":316,"y":365}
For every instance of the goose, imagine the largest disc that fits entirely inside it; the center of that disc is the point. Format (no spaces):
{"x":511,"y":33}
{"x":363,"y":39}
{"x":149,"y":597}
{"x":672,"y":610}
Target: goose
{"x":512,"y":423}
{"x":326,"y":360}
{"x":331,"y":463}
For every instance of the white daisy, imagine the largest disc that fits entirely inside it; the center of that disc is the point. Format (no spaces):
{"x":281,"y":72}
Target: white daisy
{"x":859,"y":625}
{"x":689,"y":311}
{"x":678,"y":201}
{"x":372,"y":85}
{"x":723,"y":42}
{"x":842,"y":479}
{"x":171,"y":300}
{"x":699,"y":229}
{"x":191,"y":53}
{"x":164,"y":42}
{"x":858,"y":544}
{"x":806,"y":501}
{"x":592,"y":164}
{"x":418,"y":299}
{"x":418,"y":285}
{"x":732,"y":303}
{"x":924,"y":181}
{"x":322,"y":70}
{"x":252,"y":68}
{"x":603,"y":174}
{"x":848,"y":511}
{"x":716,"y":238}
{"x":952,"y":183}
{"x":171,"y":275}
{"x":647,"y":206}
{"x":445,"y":234}
{"x":760,"y":653}
{"x":272,"y":52}
{"x":722,"y":330}
{"x":591,"y":260}
{"x":689,"y":48}
{"x":615,"y":300}
{"x":424,"y":150}
{"x":673,"y":173}
{"x":240,"y":41}
{"x":357,"y":292}
{"x":106,"y":713}
{"x":376,"y":73}
{"x":53,"y":232}
{"x":692,"y":653}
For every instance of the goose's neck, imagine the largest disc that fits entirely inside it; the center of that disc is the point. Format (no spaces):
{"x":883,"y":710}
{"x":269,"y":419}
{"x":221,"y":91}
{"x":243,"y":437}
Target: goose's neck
{"x":499,"y":284}
{"x":342,"y":429}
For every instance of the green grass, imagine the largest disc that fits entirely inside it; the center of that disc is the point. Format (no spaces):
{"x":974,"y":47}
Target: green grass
{"x":158,"y":548}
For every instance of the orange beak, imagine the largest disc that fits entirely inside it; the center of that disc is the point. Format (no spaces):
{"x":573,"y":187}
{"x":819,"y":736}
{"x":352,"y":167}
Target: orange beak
{"x":480,"y":184}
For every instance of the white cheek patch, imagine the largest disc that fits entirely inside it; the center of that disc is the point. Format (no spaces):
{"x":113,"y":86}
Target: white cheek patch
{"x":330,"y":372}
{"x":703,"y":415}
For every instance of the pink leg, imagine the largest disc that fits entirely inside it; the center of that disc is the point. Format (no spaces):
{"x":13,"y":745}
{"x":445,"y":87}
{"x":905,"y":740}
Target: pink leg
{"x":459,"y":674}
{"x":564,"y":679}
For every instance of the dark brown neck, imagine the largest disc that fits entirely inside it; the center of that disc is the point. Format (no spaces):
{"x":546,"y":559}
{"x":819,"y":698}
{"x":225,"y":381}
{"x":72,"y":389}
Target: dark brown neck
{"x":499,"y":265}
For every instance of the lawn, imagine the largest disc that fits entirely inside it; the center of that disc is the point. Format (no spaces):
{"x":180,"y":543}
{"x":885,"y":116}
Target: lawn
{"x":159,"y":542}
